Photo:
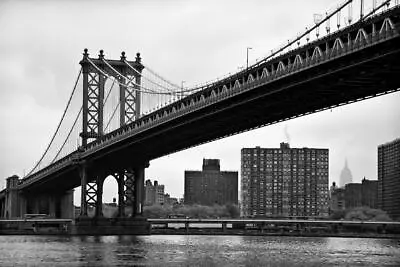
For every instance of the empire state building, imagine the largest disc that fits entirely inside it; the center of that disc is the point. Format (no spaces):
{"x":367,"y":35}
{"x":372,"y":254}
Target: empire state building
{"x":345,"y":176}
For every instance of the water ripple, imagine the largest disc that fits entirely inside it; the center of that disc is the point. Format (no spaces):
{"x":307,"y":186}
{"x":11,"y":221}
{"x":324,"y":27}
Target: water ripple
{"x":196,"y":251}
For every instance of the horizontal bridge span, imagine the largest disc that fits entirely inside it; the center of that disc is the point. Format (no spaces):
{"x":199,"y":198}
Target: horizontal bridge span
{"x":359,"y":62}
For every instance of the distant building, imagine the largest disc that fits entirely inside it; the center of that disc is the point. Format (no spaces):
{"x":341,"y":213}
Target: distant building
{"x":345,"y":176}
{"x":337,"y":198}
{"x":389,"y":178}
{"x":170,"y":200}
{"x":353,"y":195}
{"x":211,"y":185}
{"x":288,"y":182}
{"x":369,"y":193}
{"x":154,"y":194}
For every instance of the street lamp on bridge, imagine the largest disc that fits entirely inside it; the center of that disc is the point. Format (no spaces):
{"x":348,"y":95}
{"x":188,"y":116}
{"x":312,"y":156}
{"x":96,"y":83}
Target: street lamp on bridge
{"x":182,"y":89}
{"x":247,"y":57}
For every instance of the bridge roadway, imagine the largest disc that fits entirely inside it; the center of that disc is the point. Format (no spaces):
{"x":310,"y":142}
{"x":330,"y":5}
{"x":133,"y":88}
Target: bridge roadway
{"x":358,"y":62}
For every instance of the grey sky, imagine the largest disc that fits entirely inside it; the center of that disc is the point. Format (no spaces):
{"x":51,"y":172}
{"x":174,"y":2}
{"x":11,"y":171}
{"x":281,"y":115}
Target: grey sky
{"x":41,"y":44}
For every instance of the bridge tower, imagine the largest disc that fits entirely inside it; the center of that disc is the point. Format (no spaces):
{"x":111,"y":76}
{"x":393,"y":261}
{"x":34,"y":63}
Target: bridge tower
{"x":130,"y":95}
{"x":93,"y":70}
{"x":129,"y":176}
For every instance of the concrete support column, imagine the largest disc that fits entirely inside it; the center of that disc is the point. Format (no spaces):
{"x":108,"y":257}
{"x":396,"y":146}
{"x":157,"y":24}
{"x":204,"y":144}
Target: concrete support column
{"x":262,"y":227}
{"x":23,"y":205}
{"x":2,"y":209}
{"x":121,"y":194}
{"x":223,"y":226}
{"x":83,"y":176}
{"x":187,"y":226}
{"x":99,"y":197}
{"x":139,"y":191}
{"x":67,"y":205}
{"x":52,"y":206}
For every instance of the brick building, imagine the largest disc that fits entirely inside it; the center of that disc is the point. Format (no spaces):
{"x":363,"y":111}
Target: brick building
{"x":389,"y":178}
{"x":288,"y":182}
{"x":154,"y":194}
{"x":211,"y":185}
{"x":353,"y":195}
{"x":337,"y":198}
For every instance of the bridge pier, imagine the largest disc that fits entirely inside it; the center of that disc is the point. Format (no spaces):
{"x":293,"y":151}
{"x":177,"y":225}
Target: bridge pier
{"x":99,"y":196}
{"x":130,"y":194}
{"x":130,"y":190}
{"x":12,"y":199}
{"x":57,"y":205}
{"x":139,"y":191}
{"x":2,"y":207}
{"x":83,"y":176}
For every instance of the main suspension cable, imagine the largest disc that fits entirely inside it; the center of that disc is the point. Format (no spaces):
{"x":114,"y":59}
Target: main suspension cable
{"x":146,"y":90}
{"x":160,"y":77}
{"x":151,"y":81}
{"x":69,"y":134}
{"x":59,"y":124}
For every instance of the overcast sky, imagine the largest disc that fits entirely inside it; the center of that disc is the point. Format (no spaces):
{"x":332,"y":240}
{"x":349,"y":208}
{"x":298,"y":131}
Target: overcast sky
{"x":41,"y":44}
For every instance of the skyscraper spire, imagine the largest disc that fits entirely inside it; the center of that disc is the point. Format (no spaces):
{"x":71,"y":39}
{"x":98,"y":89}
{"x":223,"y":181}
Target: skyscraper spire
{"x":345,"y":176}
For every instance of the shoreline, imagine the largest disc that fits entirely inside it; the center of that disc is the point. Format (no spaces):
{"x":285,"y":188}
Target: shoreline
{"x":258,"y":233}
{"x":210,"y":233}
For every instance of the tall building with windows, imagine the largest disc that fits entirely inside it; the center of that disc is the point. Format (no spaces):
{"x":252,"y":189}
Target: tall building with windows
{"x":389,"y":178}
{"x":211,"y":185}
{"x":287,"y":182}
{"x":345,"y":176}
{"x":154,"y":194}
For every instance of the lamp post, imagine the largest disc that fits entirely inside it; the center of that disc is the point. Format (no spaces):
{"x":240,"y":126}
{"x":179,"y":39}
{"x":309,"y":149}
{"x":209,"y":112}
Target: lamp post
{"x":247,"y":57}
{"x":182,"y":89}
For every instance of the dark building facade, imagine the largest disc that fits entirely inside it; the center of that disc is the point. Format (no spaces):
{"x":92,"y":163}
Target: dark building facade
{"x":288,"y":182}
{"x":211,"y":185}
{"x":389,"y":178}
{"x":353,"y":195}
{"x":369,"y":193}
{"x":337,"y":198}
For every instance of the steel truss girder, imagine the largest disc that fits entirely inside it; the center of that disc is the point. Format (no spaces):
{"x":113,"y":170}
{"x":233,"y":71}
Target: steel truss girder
{"x":91,"y":195}
{"x":129,"y":188}
{"x":126,"y":190}
{"x":93,"y":95}
{"x":94,"y":77}
{"x":130,"y":100}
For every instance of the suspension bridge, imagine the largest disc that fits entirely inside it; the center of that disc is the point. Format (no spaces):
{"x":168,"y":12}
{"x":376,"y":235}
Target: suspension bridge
{"x":121,"y":114}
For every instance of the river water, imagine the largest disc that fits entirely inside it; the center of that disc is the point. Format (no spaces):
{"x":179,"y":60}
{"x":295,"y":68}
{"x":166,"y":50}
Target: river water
{"x":175,"y":250}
